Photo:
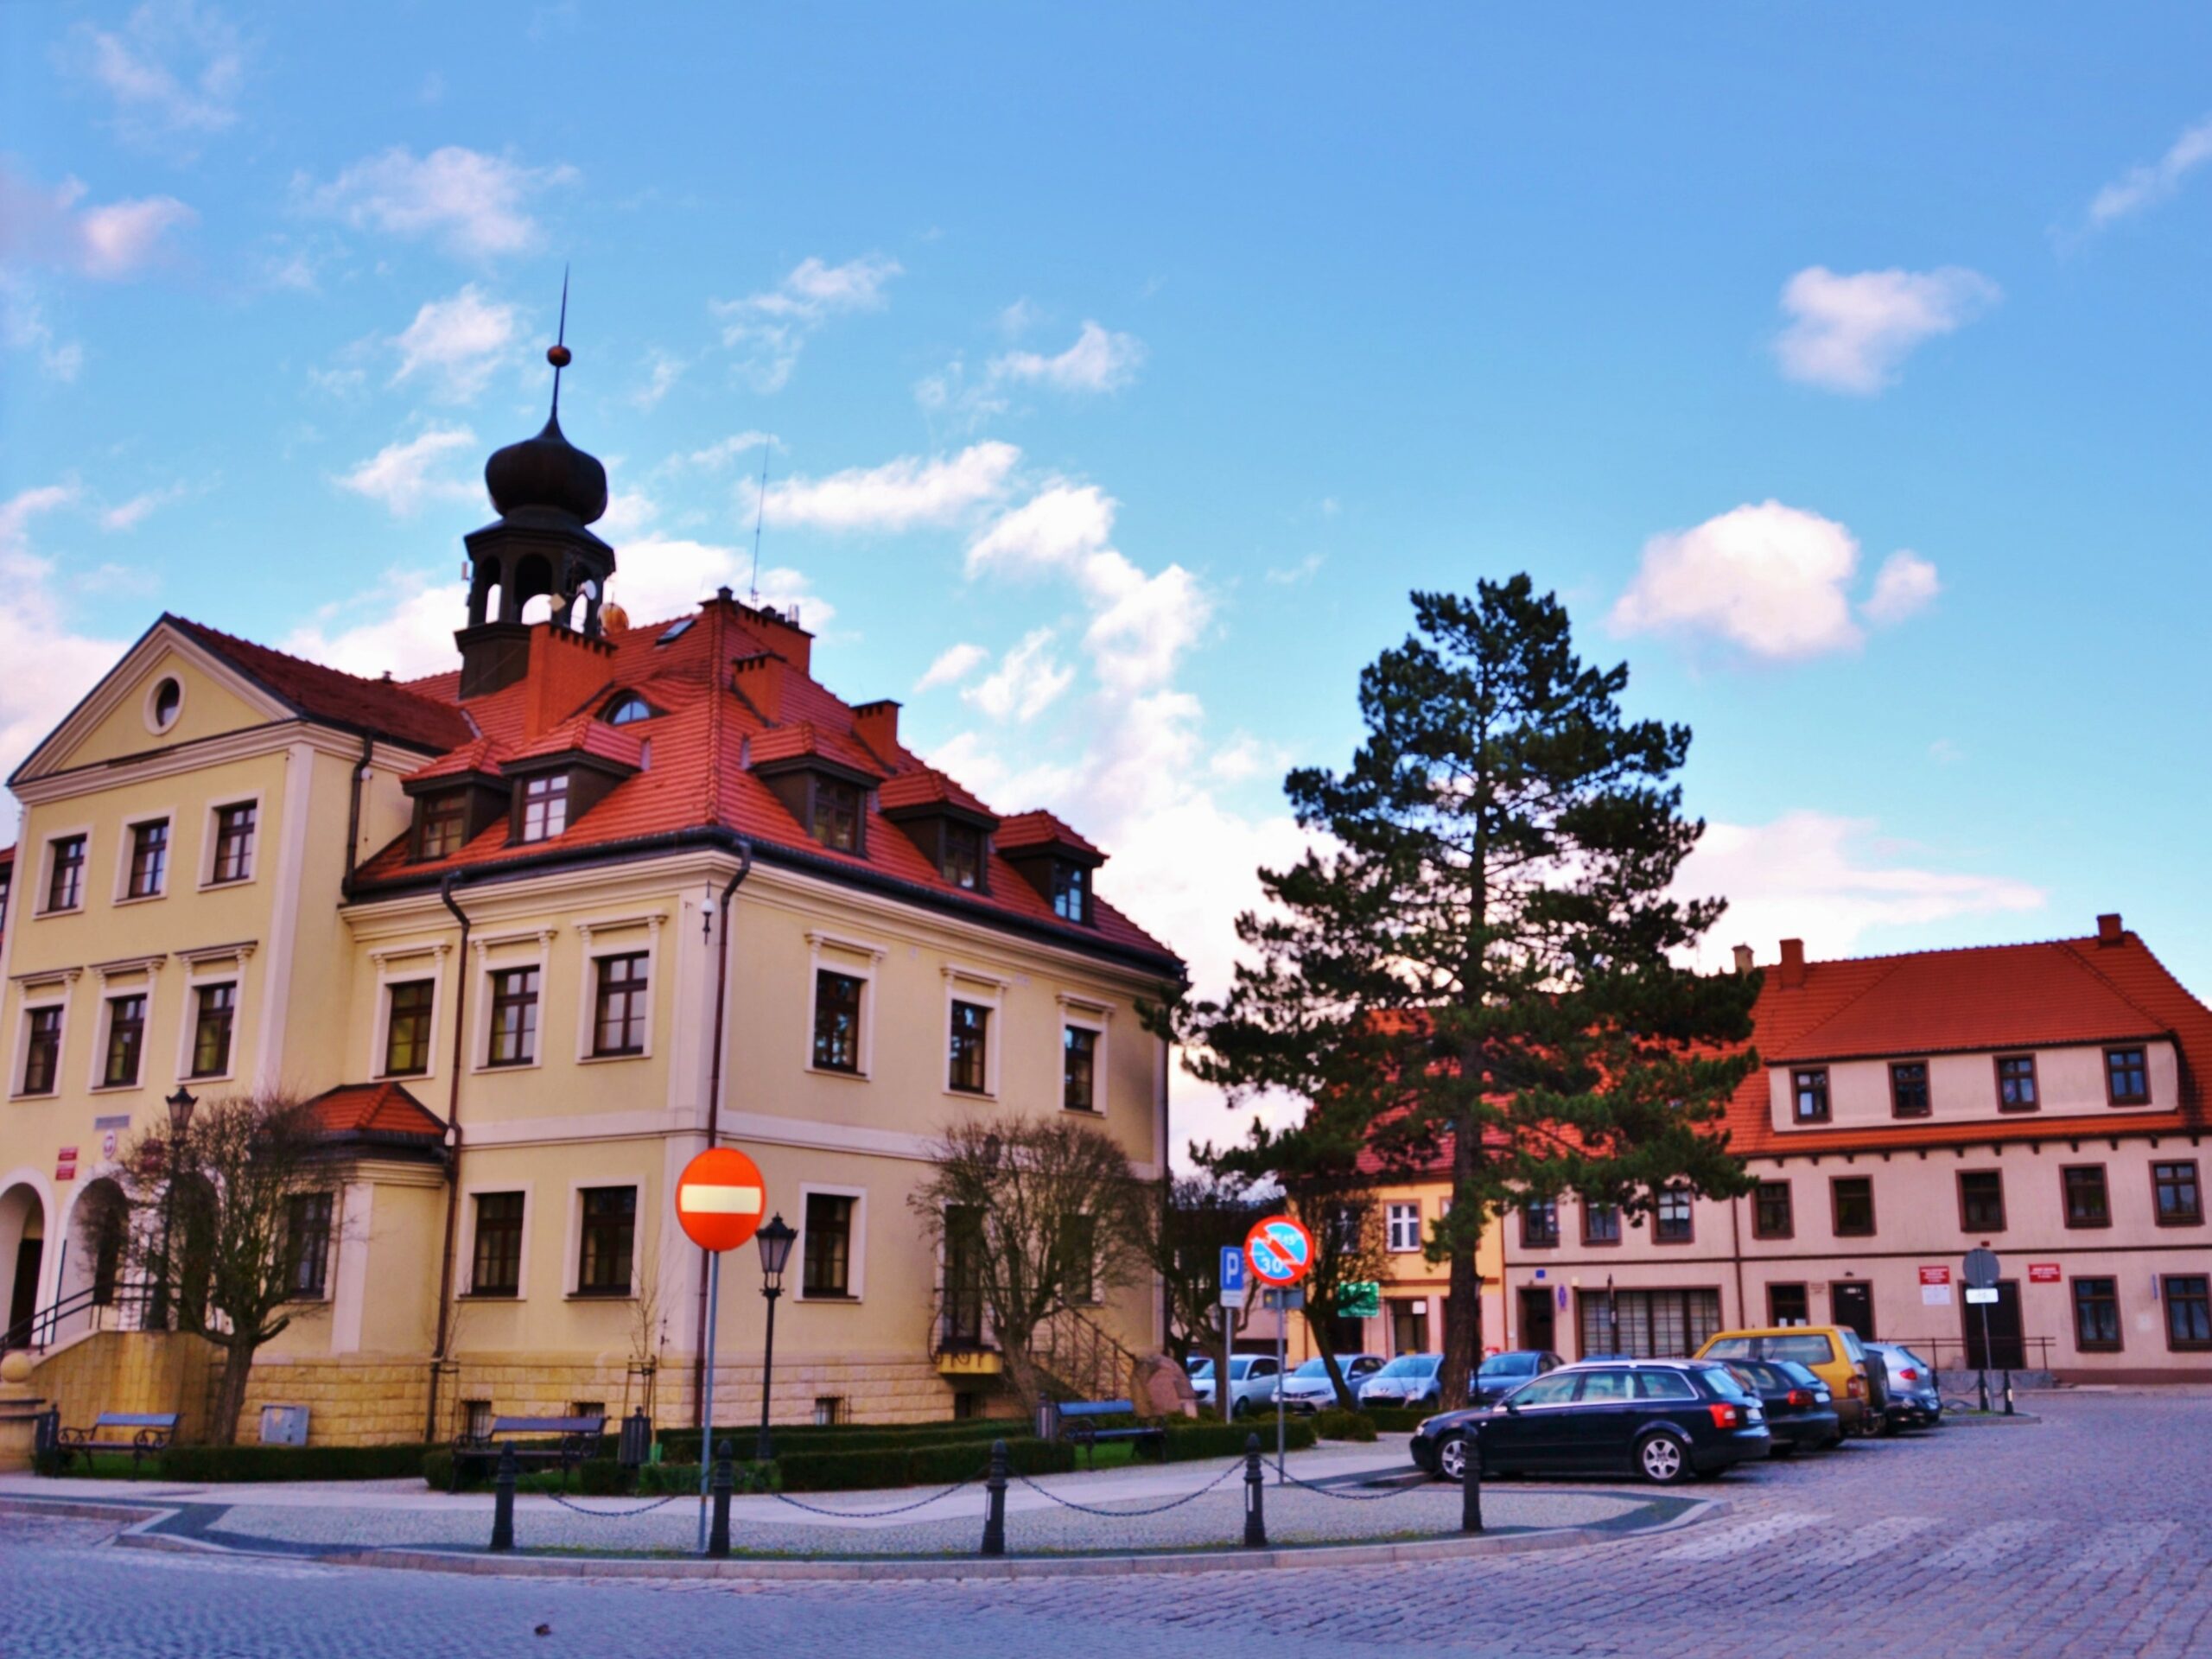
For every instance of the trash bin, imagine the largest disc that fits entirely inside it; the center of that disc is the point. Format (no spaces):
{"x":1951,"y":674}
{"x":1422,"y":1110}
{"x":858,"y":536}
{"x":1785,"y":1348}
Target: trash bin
{"x":283,"y":1424}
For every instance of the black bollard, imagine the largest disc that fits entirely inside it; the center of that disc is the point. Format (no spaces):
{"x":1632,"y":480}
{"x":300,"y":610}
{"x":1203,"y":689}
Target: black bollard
{"x":1256,"y":1486}
{"x":2008,"y":1394}
{"x":503,"y":1501}
{"x":994,"y":1506}
{"x":725,"y":1478}
{"x":1471,"y":1487}
{"x":1985,"y":1391}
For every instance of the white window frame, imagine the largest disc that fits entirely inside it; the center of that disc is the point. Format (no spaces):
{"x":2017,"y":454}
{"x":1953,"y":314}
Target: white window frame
{"x":572,"y":1270}
{"x":986,"y":990}
{"x":51,"y":991}
{"x":476,"y":1190}
{"x":141,"y":976}
{"x":167,"y":671}
{"x":209,"y":832}
{"x":202,"y":968}
{"x":1085,"y":1016}
{"x":55,"y":838}
{"x":1402,"y":1211}
{"x":130,"y":842}
{"x":596,"y":948}
{"x":401,"y":965}
{"x":856,"y":1244}
{"x":858,"y":959}
{"x":480,"y":1045}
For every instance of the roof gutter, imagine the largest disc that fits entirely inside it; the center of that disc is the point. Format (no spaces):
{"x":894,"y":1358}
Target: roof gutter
{"x":454,"y":878}
{"x":699,"y":1390}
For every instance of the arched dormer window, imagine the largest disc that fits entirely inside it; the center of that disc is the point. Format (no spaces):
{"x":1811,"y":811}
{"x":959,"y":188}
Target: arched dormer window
{"x":627,"y":710}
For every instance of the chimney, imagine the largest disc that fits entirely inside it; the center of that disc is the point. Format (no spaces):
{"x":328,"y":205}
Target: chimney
{"x":567,"y":670}
{"x":2108,"y":930}
{"x":1793,"y":964}
{"x":1744,"y":959}
{"x":877,"y":723}
{"x":760,"y":679}
{"x":781,"y":633}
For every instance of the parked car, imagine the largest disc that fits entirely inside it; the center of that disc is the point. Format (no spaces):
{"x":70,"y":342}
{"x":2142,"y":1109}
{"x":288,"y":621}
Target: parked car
{"x":1833,"y":1353}
{"x":1308,"y":1387}
{"x":1914,"y":1401}
{"x":1800,"y":1410}
{"x":1665,"y":1419}
{"x":1409,"y":1380}
{"x":1502,"y":1373}
{"x":1251,"y":1381}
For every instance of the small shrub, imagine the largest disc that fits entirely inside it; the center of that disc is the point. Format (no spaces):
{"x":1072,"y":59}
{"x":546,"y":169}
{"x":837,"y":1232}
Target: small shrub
{"x":1190,"y":1441}
{"x":1337,"y":1425}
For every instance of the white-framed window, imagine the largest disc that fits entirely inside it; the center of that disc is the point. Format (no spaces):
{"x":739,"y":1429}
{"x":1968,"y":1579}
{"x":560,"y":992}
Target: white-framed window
{"x":231,"y":843}
{"x":409,"y":999}
{"x":840,"y":1031}
{"x":42,"y":1027}
{"x":618,"y":990}
{"x":142,"y":862}
{"x":207,"y":1025}
{"x":603,"y":1238}
{"x":832,"y":1246}
{"x":509,"y":998}
{"x":65,"y":865}
{"x":124,"y":1022}
{"x":1403,"y":1223}
{"x":1082,"y":1056}
{"x":973,"y":997}
{"x":499,"y":1215}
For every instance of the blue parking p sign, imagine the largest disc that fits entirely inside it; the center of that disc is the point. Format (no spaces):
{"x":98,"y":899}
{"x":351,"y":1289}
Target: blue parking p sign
{"x":1232,"y":1276}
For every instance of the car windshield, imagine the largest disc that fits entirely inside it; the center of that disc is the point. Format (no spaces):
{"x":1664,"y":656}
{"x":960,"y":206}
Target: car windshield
{"x":1508,"y":1365}
{"x":1313,"y":1368}
{"x":1911,"y":1358}
{"x":1239,"y":1368}
{"x":1723,"y":1380}
{"x":1412,"y":1365}
{"x":1202,"y":1368}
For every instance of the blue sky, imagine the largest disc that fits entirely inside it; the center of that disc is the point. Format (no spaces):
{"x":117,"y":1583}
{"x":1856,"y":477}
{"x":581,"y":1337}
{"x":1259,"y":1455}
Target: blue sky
{"x":1843,"y":372}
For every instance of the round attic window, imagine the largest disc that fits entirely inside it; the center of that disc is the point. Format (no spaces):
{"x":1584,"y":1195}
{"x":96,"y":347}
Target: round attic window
{"x":164,"y":703}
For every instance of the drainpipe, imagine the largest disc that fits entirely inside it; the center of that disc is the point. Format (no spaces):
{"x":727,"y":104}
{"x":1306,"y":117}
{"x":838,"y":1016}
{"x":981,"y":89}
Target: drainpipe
{"x":353,"y":817}
{"x":705,"y":1407}
{"x":452,"y":1155}
{"x":1736,"y":1234}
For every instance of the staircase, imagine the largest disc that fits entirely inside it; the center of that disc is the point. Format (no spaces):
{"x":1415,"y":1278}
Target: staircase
{"x":1079,"y":1359}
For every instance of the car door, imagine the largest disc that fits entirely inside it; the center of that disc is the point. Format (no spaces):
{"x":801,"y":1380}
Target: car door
{"x":1528,"y":1427}
{"x":1599,"y":1430}
{"x":1262,"y":1389}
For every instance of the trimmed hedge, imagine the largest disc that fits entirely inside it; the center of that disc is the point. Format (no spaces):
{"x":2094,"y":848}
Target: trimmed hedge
{"x":1335,"y":1425}
{"x":1188,"y":1441}
{"x":204,"y":1464}
{"x":917,"y":1465}
{"x":682,"y":1444}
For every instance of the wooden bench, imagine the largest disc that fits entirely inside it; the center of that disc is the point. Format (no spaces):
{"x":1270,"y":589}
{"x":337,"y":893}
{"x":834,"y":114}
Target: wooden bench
{"x":1079,"y":1421}
{"x":571,"y":1441}
{"x":142,"y":1434}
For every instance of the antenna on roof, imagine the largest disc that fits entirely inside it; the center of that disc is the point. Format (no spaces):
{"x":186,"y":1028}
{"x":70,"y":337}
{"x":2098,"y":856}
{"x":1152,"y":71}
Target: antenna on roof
{"x":759,"y":513}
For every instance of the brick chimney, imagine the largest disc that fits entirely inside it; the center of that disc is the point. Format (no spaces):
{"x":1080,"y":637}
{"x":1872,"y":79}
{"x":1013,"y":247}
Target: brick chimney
{"x":567,"y":670}
{"x":2108,"y":930}
{"x":780,"y":633}
{"x":877,"y":723}
{"x":1793,"y":964}
{"x":761,"y":678}
{"x":1745,"y":960}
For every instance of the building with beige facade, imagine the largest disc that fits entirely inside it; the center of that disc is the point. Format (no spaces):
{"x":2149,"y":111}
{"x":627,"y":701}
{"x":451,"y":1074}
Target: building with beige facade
{"x":533,"y":932}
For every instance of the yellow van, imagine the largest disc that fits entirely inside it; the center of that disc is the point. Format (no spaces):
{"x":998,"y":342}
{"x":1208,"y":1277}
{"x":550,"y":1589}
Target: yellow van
{"x":1833,"y":1353}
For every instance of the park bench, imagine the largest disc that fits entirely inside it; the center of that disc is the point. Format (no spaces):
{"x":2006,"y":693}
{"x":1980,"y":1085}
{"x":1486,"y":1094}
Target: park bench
{"x":142,"y":1434}
{"x":563,"y":1442}
{"x":1079,"y":1422}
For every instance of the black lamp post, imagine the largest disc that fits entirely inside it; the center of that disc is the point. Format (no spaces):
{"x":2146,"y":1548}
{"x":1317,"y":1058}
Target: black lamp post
{"x":775,"y":1242}
{"x":179,"y":1104}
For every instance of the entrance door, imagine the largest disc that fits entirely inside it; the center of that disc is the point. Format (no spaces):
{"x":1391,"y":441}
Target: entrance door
{"x":23,"y":1301}
{"x":1852,"y":1301}
{"x":2005,"y":1352}
{"x":1536,"y":1320}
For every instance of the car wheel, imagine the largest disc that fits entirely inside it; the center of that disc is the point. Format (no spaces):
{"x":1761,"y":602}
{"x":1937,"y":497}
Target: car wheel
{"x":1783,"y":1449}
{"x":1453,"y":1454}
{"x":1238,"y":1408}
{"x":1831,"y":1442}
{"x":1662,"y":1459}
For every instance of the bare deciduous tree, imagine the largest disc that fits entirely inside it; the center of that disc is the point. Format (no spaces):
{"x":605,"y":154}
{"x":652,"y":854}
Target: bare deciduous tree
{"x":1192,"y":1219}
{"x":1340,"y":1210}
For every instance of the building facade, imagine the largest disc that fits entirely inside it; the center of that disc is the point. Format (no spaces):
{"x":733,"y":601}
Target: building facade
{"x":532,"y":933}
{"x":2044,"y":1101}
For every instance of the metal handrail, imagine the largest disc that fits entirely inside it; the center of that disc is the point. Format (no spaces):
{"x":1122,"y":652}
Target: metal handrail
{"x":1956,"y":1353}
{"x":37,"y":1330}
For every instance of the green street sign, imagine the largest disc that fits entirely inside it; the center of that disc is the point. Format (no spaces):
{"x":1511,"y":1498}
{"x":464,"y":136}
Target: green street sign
{"x":1359,"y":1298}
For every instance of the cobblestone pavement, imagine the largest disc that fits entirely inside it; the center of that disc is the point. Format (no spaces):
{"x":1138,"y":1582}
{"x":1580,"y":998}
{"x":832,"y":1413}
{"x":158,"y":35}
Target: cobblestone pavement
{"x":2087,"y":1533}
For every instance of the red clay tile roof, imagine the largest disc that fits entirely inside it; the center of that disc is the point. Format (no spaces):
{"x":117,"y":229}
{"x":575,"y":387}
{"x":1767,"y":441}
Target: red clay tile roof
{"x":480,"y":754}
{"x":925,"y":787}
{"x":702,"y":735}
{"x":383,"y":707}
{"x":586,"y":735}
{"x":377,"y":1109}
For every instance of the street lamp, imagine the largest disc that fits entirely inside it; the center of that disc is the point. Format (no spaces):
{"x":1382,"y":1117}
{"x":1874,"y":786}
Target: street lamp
{"x":179,"y":1104}
{"x":775,"y":1242}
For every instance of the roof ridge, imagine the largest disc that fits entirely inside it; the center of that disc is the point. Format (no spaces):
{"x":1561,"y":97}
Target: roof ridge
{"x":382,"y":684}
{"x":1849,"y":1002}
{"x":2072,"y":954}
{"x":2068,"y":941}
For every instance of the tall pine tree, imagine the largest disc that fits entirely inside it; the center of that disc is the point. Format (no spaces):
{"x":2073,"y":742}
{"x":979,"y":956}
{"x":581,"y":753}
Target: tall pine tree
{"x":1477,"y":963}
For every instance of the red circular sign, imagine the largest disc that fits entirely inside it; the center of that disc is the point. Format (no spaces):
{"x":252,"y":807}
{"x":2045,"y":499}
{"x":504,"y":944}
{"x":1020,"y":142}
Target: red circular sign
{"x":1280,"y":1251}
{"x":720,"y":1198}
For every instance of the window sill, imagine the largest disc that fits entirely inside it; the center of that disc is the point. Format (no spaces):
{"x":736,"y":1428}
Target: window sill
{"x":114,"y":1087}
{"x":970,"y":1094}
{"x":67,"y":909}
{"x":139,"y":898}
{"x":2127,"y":1105}
{"x":509,"y":1296}
{"x":496,"y":1066}
{"x":1083,"y":1112}
{"x":588,"y":1059}
{"x":218,"y":887}
{"x":2189,"y":1347}
{"x":1614,"y":1244}
{"x":1673,"y":1243}
{"x":2022,"y":1112}
{"x":1772,"y":1238}
{"x":2175,"y":1221}
{"x":837,"y":1072}
{"x":822,"y":1298}
{"x":400,"y":1076}
{"x":601,"y":1296}
{"x":55,"y":1094}
{"x":209,"y":1076}
{"x":2088,"y":1226}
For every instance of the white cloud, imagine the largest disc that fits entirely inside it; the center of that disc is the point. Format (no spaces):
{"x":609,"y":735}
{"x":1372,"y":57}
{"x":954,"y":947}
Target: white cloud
{"x":1769,"y":579}
{"x":406,"y":473}
{"x":1243,"y":757}
{"x":128,"y":515}
{"x":1905,"y":585}
{"x":474,"y":203}
{"x":108,"y":240}
{"x":24,"y":328}
{"x":1829,"y":880}
{"x":1304,"y":571}
{"x":173,"y":70}
{"x":952,"y":664}
{"x":2147,"y":186}
{"x":1028,"y":680}
{"x":1100,"y":360}
{"x":409,"y":638}
{"x":899,"y":494}
{"x":1853,"y":333}
{"x":456,"y":344}
{"x":662,"y":371}
{"x":770,"y":329}
{"x":722,"y":453}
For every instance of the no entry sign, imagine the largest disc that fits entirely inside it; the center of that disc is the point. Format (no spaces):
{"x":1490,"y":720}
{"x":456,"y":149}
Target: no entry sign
{"x":1280,"y":1251}
{"x":720,"y":1198}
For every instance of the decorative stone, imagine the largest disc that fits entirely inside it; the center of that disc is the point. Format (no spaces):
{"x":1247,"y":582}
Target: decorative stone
{"x":1163,"y":1390}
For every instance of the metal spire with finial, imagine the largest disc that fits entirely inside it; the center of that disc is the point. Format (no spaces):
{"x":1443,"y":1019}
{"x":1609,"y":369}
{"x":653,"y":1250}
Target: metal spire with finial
{"x":558,"y":353}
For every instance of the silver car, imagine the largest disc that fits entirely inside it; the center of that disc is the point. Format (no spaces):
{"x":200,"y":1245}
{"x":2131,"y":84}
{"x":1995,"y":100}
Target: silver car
{"x":1409,"y":1380}
{"x":1251,"y":1381}
{"x":1307,"y":1388}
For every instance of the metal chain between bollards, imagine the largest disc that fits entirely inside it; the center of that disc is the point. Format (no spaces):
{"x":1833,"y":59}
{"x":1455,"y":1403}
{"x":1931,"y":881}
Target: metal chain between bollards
{"x":1125,"y":1515}
{"x":871,"y":1515}
{"x":1359,"y":1497}
{"x":616,"y":1514}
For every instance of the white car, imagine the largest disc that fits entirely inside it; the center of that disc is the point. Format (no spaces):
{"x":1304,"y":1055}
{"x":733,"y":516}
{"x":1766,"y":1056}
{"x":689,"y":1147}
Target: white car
{"x":1409,"y":1380}
{"x":1307,"y":1388}
{"x":1251,"y":1381}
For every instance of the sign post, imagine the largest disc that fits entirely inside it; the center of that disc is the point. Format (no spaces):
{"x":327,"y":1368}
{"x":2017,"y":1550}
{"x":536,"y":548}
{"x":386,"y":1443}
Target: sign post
{"x":720,"y":1198}
{"x":1232,"y":1302}
{"x":1981,"y":1274}
{"x":1281,"y":1252}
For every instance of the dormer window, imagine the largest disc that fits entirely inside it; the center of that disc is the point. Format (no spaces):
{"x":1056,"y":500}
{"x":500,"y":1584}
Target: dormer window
{"x":544,"y":806}
{"x":962,"y":863}
{"x":445,"y":825}
{"x":627,"y":710}
{"x":1070,"y":893}
{"x":836,"y":816}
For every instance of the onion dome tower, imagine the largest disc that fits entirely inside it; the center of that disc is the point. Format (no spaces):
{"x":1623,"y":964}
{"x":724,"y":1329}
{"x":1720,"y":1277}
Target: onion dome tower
{"x":546,"y":490}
